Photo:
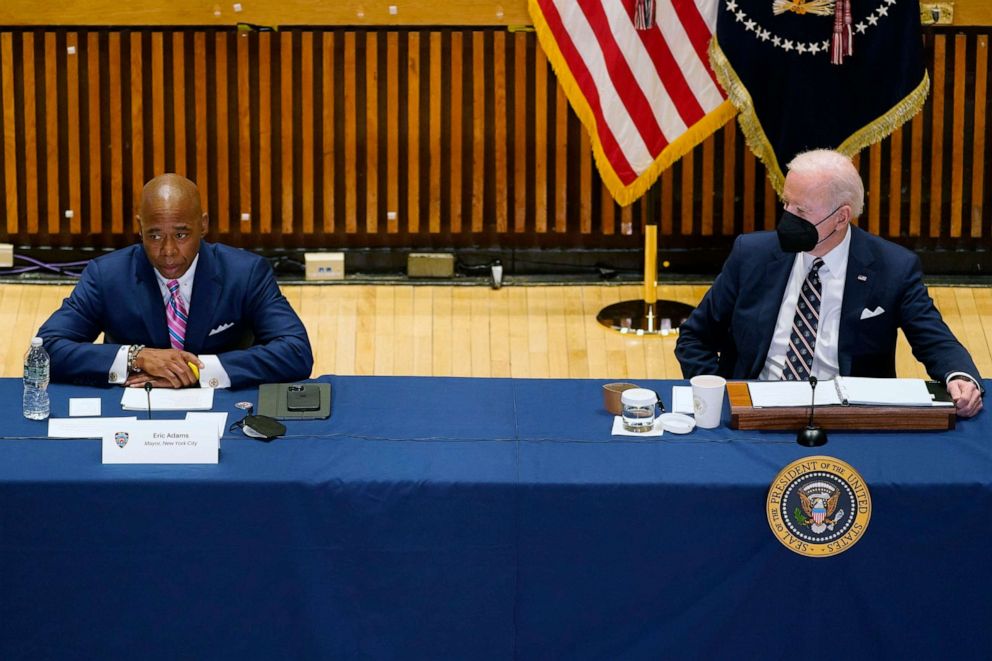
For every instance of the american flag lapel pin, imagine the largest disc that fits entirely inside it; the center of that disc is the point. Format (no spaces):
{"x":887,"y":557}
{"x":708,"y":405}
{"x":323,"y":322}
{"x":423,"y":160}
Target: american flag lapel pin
{"x":863,"y":278}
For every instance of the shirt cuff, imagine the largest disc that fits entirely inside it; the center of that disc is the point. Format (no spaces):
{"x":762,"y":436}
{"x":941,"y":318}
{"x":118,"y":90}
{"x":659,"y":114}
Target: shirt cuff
{"x":952,"y":375}
{"x":118,"y":370}
{"x":213,"y":374}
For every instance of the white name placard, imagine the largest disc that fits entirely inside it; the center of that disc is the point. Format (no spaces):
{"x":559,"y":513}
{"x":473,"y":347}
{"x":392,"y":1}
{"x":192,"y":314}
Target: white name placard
{"x":162,"y":442}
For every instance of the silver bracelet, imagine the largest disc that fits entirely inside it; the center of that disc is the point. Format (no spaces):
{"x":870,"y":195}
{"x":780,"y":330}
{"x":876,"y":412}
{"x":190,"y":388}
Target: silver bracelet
{"x":132,"y":355}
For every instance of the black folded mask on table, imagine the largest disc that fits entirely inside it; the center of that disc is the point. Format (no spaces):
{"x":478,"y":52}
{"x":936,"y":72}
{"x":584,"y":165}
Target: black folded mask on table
{"x":261,"y":427}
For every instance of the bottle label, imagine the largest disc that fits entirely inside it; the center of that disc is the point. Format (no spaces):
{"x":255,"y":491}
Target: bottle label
{"x":35,"y":374}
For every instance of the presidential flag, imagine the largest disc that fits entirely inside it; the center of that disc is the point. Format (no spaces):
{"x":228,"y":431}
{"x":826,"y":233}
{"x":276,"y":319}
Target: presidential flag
{"x":806,"y":74}
{"x":643,"y":88}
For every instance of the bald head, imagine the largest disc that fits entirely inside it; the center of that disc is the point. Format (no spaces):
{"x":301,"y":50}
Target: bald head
{"x":172,"y":190}
{"x":172,"y":224}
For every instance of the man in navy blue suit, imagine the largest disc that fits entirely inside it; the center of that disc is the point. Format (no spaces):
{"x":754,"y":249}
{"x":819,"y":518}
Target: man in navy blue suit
{"x":177,"y":310}
{"x":854,"y":290}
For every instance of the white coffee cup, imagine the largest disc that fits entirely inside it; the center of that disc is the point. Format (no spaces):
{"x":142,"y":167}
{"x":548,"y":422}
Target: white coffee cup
{"x":707,"y":399}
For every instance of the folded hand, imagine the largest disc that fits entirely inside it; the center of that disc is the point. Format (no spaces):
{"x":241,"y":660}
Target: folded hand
{"x":164,"y":368}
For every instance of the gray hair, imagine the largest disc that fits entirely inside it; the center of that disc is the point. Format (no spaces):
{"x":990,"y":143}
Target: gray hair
{"x":841,"y":178}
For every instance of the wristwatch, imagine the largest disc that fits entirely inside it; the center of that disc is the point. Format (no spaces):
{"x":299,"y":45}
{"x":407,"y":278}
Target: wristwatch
{"x":132,"y":355}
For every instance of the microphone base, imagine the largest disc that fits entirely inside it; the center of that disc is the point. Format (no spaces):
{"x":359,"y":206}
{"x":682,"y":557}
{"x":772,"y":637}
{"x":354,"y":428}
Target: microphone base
{"x":811,"y":437}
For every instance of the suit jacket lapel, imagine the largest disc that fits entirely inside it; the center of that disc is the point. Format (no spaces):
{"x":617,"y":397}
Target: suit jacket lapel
{"x":206,"y":289}
{"x":777,"y":276}
{"x":858,"y":285}
{"x":150,"y":303}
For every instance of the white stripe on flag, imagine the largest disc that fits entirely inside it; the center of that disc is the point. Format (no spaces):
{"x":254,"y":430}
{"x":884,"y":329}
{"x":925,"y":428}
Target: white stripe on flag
{"x":645,"y":74}
{"x":695,"y":71}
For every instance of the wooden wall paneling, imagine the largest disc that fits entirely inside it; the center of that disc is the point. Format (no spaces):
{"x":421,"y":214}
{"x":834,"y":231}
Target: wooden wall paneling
{"x":371,"y":133}
{"x":561,"y":160}
{"x":895,"y":183}
{"x":413,"y":133}
{"x":771,"y":204}
{"x":136,"y":98}
{"x":286,"y":160}
{"x":627,"y":218}
{"x":520,"y":92}
{"x":392,"y":132}
{"x":666,"y":210}
{"x":687,"y":210}
{"x":307,"y":145}
{"x":937,"y":137}
{"x":456,"y":116}
{"x":222,"y":186}
{"x":265,"y":132}
{"x":874,"y":188}
{"x":587,"y":178}
{"x":243,"y":47}
{"x":478,"y":170}
{"x":179,"y":102}
{"x":157,"y":90}
{"x":729,"y":188}
{"x":465,"y":143}
{"x":916,"y":177}
{"x":266,"y":12}
{"x":707,"y":187}
{"x":540,"y":114}
{"x":956,"y":174}
{"x":116,"y":130}
{"x":199,"y":122}
{"x":328,"y":79}
{"x":71,"y":165}
{"x":350,"y":119}
{"x":750,"y":179}
{"x":981,"y":107}
{"x":28,"y":102}
{"x":501,"y":120}
{"x":49,"y":107}
{"x":94,"y":105}
{"x":607,"y":210}
{"x":434,"y":160}
{"x":9,"y":132}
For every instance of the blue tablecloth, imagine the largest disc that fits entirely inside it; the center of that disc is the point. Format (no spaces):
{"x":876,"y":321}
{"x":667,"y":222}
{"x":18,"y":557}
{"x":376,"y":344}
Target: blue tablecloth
{"x":482,"y":518}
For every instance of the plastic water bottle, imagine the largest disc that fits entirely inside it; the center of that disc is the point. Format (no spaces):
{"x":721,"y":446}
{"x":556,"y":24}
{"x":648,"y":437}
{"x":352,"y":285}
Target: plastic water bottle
{"x":37,"y":367}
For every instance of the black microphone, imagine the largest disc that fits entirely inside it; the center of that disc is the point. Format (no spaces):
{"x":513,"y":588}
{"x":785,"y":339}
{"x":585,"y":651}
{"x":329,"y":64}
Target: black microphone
{"x":148,"y":392}
{"x":813,"y":436}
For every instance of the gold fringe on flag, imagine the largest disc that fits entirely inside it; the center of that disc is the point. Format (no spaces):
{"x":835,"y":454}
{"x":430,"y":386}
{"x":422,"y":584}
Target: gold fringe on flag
{"x":629,"y":193}
{"x":875,"y":131}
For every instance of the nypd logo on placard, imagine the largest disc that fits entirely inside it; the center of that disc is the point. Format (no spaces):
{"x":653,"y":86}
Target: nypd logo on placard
{"x":818,"y":506}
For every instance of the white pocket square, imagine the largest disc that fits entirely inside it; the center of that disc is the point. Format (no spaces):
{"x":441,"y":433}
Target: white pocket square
{"x":868,"y":314}
{"x":224,"y":327}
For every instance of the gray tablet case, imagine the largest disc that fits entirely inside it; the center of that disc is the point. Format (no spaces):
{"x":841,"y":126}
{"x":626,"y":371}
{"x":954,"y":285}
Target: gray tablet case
{"x":272,"y":401}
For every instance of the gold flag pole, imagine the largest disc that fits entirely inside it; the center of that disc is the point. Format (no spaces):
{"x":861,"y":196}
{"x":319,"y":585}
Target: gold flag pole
{"x":648,"y":316}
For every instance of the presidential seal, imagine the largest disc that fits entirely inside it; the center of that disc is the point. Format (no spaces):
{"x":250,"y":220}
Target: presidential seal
{"x":818,"y":506}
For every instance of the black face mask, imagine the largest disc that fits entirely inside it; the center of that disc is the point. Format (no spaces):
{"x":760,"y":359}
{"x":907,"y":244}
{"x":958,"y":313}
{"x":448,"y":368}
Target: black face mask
{"x":797,"y":234}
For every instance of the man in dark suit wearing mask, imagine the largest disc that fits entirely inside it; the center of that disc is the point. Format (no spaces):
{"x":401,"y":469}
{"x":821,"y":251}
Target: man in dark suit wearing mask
{"x":821,"y":297}
{"x":176,"y":310}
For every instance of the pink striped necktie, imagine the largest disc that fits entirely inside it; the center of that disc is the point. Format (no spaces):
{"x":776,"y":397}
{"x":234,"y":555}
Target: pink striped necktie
{"x":176,"y":316}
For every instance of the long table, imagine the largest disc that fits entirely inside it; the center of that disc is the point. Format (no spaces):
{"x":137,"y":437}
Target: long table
{"x":449,"y":518}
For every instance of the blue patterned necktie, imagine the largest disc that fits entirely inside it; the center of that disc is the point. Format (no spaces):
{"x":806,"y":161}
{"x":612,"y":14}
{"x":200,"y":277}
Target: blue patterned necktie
{"x":802,"y":340}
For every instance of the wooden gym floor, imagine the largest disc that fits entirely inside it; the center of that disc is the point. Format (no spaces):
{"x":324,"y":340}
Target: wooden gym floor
{"x":517,"y":331}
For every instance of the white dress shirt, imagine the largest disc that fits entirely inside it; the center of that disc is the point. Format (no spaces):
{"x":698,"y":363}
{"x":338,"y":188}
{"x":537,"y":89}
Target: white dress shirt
{"x":833,"y":276}
{"x":212,"y":374}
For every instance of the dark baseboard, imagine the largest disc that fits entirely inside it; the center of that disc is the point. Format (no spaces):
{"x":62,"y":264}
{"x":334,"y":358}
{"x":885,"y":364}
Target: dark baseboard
{"x":591,"y":264}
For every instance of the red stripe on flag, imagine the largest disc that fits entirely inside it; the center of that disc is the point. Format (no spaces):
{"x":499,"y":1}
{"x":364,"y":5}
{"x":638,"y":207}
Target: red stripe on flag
{"x":698,"y":32}
{"x":630,"y":93}
{"x":580,"y":73}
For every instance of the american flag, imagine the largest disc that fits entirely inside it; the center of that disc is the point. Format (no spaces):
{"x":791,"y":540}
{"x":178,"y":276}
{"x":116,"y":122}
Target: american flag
{"x":646,"y":96}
